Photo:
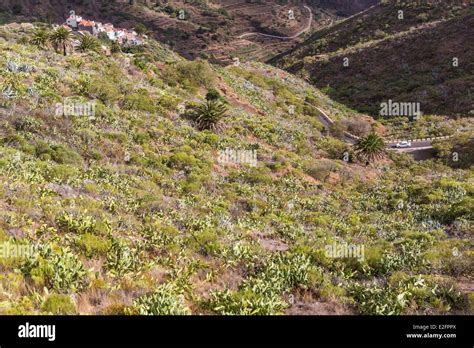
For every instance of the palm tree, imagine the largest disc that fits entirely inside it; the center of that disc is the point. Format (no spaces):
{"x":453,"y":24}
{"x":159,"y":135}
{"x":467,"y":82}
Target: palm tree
{"x":209,"y":114}
{"x":40,"y":38}
{"x":370,"y":148}
{"x":61,"y":38}
{"x":88,"y":43}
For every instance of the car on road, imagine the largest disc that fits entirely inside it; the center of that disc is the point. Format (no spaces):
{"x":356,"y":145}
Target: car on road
{"x":403,"y":144}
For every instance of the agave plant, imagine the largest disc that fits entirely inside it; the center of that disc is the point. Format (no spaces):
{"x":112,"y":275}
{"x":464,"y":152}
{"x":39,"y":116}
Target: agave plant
{"x":88,"y":43}
{"x":370,"y":148}
{"x":61,"y":39}
{"x":17,"y":68}
{"x":8,"y":92}
{"x":40,"y":38}
{"x":209,"y":115}
{"x":58,"y":268}
{"x":166,"y":300}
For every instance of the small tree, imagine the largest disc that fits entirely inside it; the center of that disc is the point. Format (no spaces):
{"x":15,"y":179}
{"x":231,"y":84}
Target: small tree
{"x":61,"y":39}
{"x":115,"y":47}
{"x":103,"y":37}
{"x":140,"y":29}
{"x":212,"y":94}
{"x":370,"y":148}
{"x":209,"y":115}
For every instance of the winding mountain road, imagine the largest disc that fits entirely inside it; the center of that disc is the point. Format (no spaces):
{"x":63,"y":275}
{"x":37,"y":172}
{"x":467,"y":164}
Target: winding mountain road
{"x":416,"y":144}
{"x":304,"y":30}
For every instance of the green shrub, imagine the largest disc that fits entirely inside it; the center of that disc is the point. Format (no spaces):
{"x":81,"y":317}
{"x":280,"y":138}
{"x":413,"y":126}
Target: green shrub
{"x":92,"y":245}
{"x":408,"y":254}
{"x":194,"y":74}
{"x":58,"y":304}
{"x":57,"y":153}
{"x":334,"y":147}
{"x":405,"y":294}
{"x":182,"y":161}
{"x":141,"y":29}
{"x":319,"y":170}
{"x":257,"y":175}
{"x":76,"y":223}
{"x":206,"y":241}
{"x":167,"y":299}
{"x":100,"y":88}
{"x":141,"y":138}
{"x":213,"y":94}
{"x":245,"y":302}
{"x":122,"y":259}
{"x":139,"y":101}
{"x":169,"y":102}
{"x":27,"y":124}
{"x":261,"y":293}
{"x":118,"y":309}
{"x":61,"y":173}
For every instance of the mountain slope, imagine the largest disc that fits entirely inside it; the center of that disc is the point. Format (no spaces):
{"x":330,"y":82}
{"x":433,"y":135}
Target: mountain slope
{"x":390,"y":58}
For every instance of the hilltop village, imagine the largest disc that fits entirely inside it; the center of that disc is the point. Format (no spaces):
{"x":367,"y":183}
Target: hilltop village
{"x":121,"y":35}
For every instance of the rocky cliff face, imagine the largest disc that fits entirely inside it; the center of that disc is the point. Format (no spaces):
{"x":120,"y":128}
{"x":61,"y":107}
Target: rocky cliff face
{"x":345,"y":7}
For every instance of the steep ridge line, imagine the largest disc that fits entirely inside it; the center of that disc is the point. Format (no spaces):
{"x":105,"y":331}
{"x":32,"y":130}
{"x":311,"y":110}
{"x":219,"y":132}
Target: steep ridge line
{"x":412,"y":31}
{"x":321,"y":33}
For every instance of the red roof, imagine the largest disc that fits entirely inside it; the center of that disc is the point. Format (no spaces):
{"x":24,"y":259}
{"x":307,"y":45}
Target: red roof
{"x":87,"y":23}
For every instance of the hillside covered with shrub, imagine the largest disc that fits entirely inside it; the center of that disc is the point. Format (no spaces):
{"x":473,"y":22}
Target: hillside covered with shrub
{"x":129,"y":210}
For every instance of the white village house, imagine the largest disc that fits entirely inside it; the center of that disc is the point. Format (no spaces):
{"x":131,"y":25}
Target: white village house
{"x":122,"y":36}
